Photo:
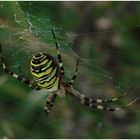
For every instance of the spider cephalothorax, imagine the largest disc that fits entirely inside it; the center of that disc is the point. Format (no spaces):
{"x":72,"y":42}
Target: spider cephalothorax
{"x":48,"y":73}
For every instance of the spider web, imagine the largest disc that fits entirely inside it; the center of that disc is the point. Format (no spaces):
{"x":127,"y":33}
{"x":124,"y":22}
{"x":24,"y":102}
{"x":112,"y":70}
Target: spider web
{"x":23,"y":32}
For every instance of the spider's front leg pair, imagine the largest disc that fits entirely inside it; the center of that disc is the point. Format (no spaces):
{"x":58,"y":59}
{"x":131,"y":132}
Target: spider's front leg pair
{"x":97,"y":102}
{"x":82,"y":98}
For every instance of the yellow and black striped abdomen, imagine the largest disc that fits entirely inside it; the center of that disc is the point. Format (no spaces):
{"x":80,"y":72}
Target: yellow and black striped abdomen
{"x":45,"y":71}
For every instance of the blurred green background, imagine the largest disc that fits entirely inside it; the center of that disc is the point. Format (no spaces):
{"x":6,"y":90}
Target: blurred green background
{"x":105,"y":35}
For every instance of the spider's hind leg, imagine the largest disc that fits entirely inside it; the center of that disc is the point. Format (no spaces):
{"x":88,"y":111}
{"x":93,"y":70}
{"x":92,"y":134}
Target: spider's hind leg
{"x":58,"y":55}
{"x":18,"y":77}
{"x":75,"y":72}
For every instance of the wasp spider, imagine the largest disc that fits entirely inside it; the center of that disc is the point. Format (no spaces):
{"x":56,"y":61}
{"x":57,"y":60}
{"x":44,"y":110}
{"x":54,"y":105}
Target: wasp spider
{"x":49,"y":73}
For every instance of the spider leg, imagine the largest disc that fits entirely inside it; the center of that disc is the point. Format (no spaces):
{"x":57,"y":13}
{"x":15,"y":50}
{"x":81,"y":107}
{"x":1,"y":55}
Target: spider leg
{"x":75,"y":72}
{"x":99,"y":101}
{"x":100,"y":107}
{"x":50,"y":102}
{"x":58,"y":55}
{"x":92,"y":103}
{"x":19,"y":77}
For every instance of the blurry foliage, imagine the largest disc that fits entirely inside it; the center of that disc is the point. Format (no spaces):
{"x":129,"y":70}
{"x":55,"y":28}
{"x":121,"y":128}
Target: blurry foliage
{"x":105,"y":35}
